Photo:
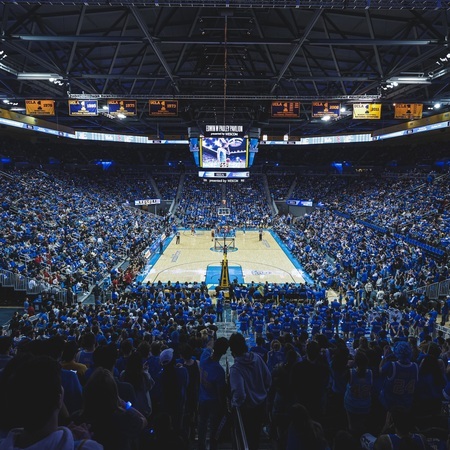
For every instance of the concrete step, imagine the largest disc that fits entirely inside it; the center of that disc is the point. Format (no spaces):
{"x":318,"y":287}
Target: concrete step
{"x":225,"y":329}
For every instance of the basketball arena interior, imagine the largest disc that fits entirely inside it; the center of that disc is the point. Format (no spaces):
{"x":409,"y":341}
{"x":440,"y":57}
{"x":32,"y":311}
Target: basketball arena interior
{"x":224,"y":224}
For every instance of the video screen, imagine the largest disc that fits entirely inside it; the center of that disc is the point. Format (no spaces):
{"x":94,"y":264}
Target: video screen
{"x":193,"y":144}
{"x":254,"y":142}
{"x":221,"y":152}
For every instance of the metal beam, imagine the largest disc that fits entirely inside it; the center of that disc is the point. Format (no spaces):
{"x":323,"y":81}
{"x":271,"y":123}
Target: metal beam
{"x":297,"y":47}
{"x":43,"y":63}
{"x":140,"y":20}
{"x":74,"y":46}
{"x":116,"y":52}
{"x":348,"y":98}
{"x":370,"y":42}
{"x":183,"y":49}
{"x":333,"y":55}
{"x":375,"y":48}
{"x":77,"y":38}
{"x":311,"y":78}
{"x":309,"y":4}
{"x":220,"y":42}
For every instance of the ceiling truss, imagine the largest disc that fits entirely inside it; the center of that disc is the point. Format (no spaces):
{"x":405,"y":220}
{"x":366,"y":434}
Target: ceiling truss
{"x":298,"y":50}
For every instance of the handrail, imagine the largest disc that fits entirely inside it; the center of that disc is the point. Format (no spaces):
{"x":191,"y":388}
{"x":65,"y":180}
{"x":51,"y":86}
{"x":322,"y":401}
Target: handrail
{"x":22,"y":283}
{"x":238,"y":430}
{"x":243,"y":436}
{"x":432,"y":291}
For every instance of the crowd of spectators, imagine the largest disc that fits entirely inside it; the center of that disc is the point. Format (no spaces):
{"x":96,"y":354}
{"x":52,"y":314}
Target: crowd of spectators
{"x":327,"y":373}
{"x":247,"y":203}
{"x":344,"y":255}
{"x":60,"y":229}
{"x":167,"y":185}
{"x":280,"y":184}
{"x":137,"y":368}
{"x":413,"y":205}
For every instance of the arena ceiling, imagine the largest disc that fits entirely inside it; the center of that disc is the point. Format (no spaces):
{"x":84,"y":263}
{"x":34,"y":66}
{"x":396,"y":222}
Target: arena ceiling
{"x":226,"y":61}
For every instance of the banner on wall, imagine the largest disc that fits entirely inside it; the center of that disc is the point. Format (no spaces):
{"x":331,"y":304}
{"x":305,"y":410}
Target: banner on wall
{"x":408,"y":111}
{"x":40,"y":107}
{"x":149,"y":201}
{"x":125,"y":107}
{"x":285,"y":109}
{"x":367,"y":111}
{"x":163,"y":108}
{"x":320,"y":109}
{"x":83,"y":108}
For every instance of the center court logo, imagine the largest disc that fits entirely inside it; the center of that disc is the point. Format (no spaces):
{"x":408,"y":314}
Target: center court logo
{"x":261,"y":272}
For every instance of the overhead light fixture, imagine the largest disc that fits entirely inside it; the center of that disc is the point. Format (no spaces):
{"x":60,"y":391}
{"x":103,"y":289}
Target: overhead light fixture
{"x":264,"y":137}
{"x":121,"y":116}
{"x":8,"y":69}
{"x":9,"y":102}
{"x":395,"y":81}
{"x":56,"y":81}
{"x":437,"y":105}
{"x":39,"y":76}
{"x":286,"y":137}
{"x":443,"y":60}
{"x":326,"y":118}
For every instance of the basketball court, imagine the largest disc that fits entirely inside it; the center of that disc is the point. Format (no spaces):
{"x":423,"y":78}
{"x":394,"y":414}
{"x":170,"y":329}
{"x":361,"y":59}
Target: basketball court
{"x":198,"y":258}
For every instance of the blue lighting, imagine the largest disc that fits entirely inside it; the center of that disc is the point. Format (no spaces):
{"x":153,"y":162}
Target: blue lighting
{"x":104,"y":164}
{"x":337,"y":166}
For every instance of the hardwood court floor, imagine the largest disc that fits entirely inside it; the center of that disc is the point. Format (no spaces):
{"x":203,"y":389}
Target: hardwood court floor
{"x":260,"y":260}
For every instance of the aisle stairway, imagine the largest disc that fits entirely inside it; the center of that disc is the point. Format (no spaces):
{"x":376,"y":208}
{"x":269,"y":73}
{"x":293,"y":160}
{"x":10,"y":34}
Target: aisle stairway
{"x":226,"y":329}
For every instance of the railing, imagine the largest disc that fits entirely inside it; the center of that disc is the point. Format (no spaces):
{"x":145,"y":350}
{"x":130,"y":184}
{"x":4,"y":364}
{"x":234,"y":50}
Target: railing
{"x":31,"y":286}
{"x":123,"y":252}
{"x":433,"y":291}
{"x":89,"y":280}
{"x":445,"y":330}
{"x":240,"y":437}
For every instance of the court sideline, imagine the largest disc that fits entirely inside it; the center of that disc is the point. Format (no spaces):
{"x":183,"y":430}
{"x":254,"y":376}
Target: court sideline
{"x":257,"y":260}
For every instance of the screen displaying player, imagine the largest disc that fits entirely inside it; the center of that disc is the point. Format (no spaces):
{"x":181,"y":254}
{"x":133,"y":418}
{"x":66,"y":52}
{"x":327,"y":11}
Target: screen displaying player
{"x":222,"y":152}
